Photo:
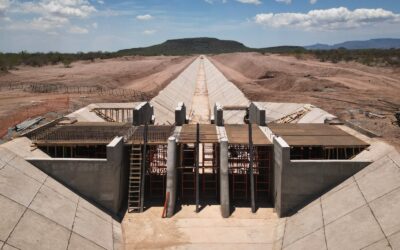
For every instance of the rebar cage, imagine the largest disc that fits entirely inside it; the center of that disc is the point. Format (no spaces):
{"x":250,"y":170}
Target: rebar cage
{"x":239,"y":172}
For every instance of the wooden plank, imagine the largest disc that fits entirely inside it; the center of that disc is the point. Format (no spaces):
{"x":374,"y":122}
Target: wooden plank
{"x":208,"y":133}
{"x":296,"y":134}
{"x":238,"y":134}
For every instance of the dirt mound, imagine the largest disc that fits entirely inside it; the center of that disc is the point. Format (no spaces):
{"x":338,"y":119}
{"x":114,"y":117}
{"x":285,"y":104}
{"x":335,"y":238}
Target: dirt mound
{"x":336,"y":88}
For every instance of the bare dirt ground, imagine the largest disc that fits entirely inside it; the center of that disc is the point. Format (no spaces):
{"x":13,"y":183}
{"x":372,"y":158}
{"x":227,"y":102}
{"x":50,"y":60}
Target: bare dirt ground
{"x":346,"y":90}
{"x":121,"y":76}
{"x":204,"y":230}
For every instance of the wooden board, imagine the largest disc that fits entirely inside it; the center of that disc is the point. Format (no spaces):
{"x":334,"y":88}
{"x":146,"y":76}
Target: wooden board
{"x":208,"y":133}
{"x":239,"y":134}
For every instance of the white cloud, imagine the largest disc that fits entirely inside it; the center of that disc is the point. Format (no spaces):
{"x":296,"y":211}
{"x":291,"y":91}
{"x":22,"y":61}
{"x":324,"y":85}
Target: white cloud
{"x":256,"y":2}
{"x":4,"y":4}
{"x":149,"y":32}
{"x":286,"y":1}
{"x":78,"y":30}
{"x":67,"y":8}
{"x":100,"y":1}
{"x":334,"y":19}
{"x":78,"y":8}
{"x":44,"y":24}
{"x":144,"y":17}
{"x":313,"y":1}
{"x":213,"y":1}
{"x":95,"y":25}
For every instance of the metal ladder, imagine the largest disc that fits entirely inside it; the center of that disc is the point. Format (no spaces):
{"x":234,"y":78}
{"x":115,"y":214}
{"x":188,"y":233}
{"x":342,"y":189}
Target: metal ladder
{"x":135,"y":176}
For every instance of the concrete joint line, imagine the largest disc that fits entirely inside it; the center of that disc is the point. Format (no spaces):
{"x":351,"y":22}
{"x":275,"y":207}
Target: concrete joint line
{"x":73,"y":223}
{"x":26,"y":208}
{"x":373,"y":214}
{"x":323,"y":222}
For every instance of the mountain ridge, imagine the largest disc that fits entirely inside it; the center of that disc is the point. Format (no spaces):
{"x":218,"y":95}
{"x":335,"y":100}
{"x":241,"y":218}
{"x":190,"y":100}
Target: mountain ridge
{"x":378,"y":43}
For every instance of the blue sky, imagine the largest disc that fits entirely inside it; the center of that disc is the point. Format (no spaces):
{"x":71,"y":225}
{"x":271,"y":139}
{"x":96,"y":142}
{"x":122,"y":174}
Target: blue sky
{"x":92,"y":25}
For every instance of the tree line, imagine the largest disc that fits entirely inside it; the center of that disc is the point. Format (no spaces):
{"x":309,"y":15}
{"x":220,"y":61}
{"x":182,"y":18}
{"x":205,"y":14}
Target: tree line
{"x":10,"y":61}
{"x":371,"y":57}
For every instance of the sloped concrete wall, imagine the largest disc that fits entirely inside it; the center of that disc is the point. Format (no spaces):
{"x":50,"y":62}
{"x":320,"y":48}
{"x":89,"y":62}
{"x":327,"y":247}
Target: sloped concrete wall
{"x":360,"y":213}
{"x":37,"y":212}
{"x":223,"y":91}
{"x":100,"y":180}
{"x":179,"y":90}
{"x":298,"y":182}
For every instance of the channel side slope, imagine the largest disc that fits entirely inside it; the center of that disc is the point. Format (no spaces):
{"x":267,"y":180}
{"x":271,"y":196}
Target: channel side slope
{"x":37,"y":212}
{"x":221,"y":90}
{"x":363,"y":212}
{"x":181,"y":89}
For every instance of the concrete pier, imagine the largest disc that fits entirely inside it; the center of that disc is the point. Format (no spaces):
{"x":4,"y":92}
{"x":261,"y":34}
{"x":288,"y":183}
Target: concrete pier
{"x":171,"y":176}
{"x":224,"y":179}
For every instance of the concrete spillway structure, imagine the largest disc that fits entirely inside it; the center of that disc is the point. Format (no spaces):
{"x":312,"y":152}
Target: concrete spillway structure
{"x":313,"y":175}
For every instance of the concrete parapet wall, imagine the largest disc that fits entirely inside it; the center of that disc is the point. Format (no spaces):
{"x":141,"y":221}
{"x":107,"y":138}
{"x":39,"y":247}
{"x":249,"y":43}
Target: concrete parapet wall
{"x":143,"y":114}
{"x":256,"y":114}
{"x":298,"y":182}
{"x":99,"y":180}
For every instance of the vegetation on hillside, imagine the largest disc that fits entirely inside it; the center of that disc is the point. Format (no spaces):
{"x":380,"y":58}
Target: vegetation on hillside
{"x":192,"y":46}
{"x":370,"y":57}
{"x":11,"y":60}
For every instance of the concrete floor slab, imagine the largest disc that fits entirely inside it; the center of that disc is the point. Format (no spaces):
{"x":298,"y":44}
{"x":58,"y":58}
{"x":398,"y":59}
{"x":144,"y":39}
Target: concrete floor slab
{"x":380,"y":245}
{"x":356,"y":230}
{"x":395,"y":157}
{"x":342,"y":202}
{"x":54,"y":206}
{"x":61,"y":189}
{"x":372,"y":189}
{"x":313,"y":241}
{"x":280,"y":230}
{"x":210,"y":246}
{"x":5,"y":154}
{"x":34,"y":231}
{"x":2,"y":164}
{"x":28,"y":169}
{"x":395,"y":240}
{"x":387,"y":212}
{"x":8,"y":247}
{"x":207,"y":229}
{"x":117,"y":235}
{"x":372,"y":167}
{"x":303,"y":223}
{"x":338,"y":187}
{"x":17,"y":186}
{"x":22,"y":146}
{"x":77,"y":242}
{"x":9,"y":216}
{"x":89,"y":206}
{"x":93,"y":228}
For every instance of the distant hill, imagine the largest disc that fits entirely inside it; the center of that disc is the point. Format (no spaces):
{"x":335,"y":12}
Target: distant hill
{"x":189,"y":46}
{"x":383,"y":43}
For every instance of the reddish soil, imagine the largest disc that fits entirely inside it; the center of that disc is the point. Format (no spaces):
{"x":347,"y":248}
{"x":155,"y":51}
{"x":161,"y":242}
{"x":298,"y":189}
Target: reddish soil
{"x":145,"y":74}
{"x":344,"y":89}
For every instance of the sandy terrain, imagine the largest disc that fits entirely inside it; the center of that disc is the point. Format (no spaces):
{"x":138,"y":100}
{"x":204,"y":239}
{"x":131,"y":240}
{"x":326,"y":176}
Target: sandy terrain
{"x":344,"y":89}
{"x":120,"y":75}
{"x":124,"y":72}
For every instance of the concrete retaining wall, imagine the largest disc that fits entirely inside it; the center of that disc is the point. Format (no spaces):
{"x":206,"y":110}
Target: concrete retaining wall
{"x":298,"y":182}
{"x":99,"y":180}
